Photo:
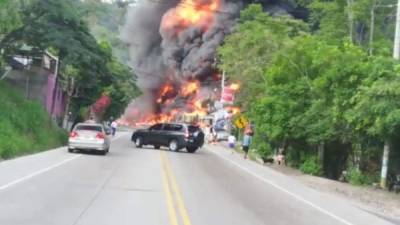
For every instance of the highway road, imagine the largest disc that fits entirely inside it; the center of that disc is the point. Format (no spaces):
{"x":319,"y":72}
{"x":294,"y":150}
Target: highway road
{"x":158,"y":187}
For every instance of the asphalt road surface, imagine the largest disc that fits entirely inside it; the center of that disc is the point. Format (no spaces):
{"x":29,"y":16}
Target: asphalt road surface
{"x":158,"y":187}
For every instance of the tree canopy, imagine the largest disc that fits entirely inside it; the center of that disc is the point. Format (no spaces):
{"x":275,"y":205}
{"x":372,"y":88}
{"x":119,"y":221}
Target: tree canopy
{"x":62,"y":28}
{"x":326,"y":85}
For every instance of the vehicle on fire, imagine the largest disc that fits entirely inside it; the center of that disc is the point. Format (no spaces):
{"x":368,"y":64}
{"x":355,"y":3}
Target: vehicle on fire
{"x":175,"y":136}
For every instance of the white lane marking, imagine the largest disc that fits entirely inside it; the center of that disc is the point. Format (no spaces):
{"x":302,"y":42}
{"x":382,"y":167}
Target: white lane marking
{"x":283,"y":189}
{"x":27,"y":177}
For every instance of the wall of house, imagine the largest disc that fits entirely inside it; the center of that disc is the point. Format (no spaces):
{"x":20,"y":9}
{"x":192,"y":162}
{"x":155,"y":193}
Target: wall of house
{"x":39,"y":84}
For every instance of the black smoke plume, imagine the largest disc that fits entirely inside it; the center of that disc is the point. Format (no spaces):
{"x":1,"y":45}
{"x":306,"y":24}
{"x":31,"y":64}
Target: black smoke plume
{"x":164,"y":55}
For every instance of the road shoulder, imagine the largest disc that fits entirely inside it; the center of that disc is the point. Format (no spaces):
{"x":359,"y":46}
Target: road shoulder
{"x":335,"y":206}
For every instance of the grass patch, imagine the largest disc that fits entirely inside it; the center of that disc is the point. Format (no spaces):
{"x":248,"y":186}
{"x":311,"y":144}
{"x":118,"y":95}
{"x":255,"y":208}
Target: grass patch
{"x":312,"y":167}
{"x":25,"y":126}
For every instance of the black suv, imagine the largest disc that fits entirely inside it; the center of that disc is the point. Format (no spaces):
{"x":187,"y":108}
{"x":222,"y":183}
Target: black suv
{"x":173,"y":135}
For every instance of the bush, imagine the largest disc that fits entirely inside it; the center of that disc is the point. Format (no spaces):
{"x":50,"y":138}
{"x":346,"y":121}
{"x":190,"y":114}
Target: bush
{"x":25,"y":126}
{"x":356,"y":177}
{"x":263,"y":149}
{"x":311,"y":166}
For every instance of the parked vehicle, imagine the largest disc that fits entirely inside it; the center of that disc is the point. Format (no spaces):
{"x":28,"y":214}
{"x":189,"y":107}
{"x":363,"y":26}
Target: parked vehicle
{"x":175,"y":136}
{"x":89,"y":136}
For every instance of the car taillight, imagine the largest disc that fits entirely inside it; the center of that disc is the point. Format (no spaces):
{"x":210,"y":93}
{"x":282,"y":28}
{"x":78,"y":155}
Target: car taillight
{"x":187,"y":134}
{"x":100,"y":136}
{"x":73,"y":134}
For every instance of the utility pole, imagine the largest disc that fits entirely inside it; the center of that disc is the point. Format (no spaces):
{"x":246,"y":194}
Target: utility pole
{"x":396,"y":55}
{"x":396,"y":49}
{"x":385,"y":164}
{"x":223,"y":79}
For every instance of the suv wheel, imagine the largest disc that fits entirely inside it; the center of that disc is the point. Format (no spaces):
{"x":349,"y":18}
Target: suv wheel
{"x":156,"y":146}
{"x":173,"y":145}
{"x":191,"y":149}
{"x":139,"y":142}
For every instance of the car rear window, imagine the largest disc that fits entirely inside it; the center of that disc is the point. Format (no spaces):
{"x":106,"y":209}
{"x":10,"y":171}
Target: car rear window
{"x":89,"y":128}
{"x":193,"y":129}
{"x":173,"y":127}
{"x":156,"y":127}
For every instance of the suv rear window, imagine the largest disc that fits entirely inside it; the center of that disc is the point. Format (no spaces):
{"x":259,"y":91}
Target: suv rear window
{"x":173,"y":127}
{"x":156,"y":127}
{"x":193,"y":129}
{"x":89,"y":128}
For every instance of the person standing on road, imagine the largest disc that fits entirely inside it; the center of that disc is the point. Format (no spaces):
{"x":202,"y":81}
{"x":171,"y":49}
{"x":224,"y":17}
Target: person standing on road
{"x":114,"y":126}
{"x":231,"y":141}
{"x":247,"y":138}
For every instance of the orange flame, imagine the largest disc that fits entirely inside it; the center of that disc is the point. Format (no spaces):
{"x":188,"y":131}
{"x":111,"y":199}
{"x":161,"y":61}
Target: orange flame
{"x":190,"y":88}
{"x":164,"y":92}
{"x":199,"y":13}
{"x":235,"y":86}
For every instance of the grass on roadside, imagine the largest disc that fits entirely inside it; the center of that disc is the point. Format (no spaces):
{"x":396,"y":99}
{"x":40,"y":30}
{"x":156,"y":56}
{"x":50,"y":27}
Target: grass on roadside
{"x":25,"y":126}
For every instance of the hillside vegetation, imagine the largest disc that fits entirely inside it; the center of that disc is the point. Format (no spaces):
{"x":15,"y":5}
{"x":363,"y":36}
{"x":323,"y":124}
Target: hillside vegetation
{"x":25,"y":126}
{"x":324,"y":91}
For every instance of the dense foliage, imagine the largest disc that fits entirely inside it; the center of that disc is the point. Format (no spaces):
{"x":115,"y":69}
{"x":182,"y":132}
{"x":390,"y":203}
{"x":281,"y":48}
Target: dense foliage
{"x":88,"y":68}
{"x":326,"y":88}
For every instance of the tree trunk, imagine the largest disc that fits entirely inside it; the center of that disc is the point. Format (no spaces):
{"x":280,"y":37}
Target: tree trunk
{"x":321,"y":153}
{"x":357,"y":156}
{"x":372,"y":29}
{"x":70,"y":92}
{"x":66,"y":112}
{"x":350,"y":18}
{"x":385,"y":164}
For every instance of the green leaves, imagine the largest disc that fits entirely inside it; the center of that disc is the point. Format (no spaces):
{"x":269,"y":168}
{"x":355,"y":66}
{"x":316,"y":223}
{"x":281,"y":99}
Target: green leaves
{"x":248,"y":52}
{"x":377,"y":107}
{"x":26,"y":126}
{"x":87,"y":66}
{"x":324,"y":88}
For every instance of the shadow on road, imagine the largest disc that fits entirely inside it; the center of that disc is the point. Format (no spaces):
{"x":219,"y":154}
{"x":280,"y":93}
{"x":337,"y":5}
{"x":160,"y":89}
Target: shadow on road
{"x":165,"y":149}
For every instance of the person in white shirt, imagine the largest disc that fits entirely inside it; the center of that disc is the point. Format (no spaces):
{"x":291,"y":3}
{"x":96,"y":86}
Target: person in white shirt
{"x":114,"y":126}
{"x":231,"y":141}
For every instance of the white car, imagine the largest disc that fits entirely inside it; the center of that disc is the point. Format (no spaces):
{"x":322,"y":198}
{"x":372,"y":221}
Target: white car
{"x":89,"y":136}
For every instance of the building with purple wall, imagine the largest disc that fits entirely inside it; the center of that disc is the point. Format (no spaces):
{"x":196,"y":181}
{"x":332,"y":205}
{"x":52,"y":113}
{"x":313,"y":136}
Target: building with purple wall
{"x":39,"y":82}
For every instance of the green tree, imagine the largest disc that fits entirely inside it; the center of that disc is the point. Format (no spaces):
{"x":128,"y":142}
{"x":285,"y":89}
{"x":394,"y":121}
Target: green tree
{"x":248,"y":51}
{"x":377,"y":110}
{"x":10,"y":19}
{"x":58,"y":25}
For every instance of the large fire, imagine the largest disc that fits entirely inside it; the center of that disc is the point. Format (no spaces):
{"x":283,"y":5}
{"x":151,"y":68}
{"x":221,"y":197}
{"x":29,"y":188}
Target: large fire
{"x":197,"y":13}
{"x":184,"y":102}
{"x":188,"y":98}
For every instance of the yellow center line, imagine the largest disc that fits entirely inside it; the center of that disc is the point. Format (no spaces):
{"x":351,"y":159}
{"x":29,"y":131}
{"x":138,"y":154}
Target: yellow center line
{"x":170,"y":204}
{"x":175,"y":188}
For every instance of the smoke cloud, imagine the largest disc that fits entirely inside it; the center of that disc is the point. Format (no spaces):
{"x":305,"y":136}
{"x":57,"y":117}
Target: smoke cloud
{"x":165,"y":48}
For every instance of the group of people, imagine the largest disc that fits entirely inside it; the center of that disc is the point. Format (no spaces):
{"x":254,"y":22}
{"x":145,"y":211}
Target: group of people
{"x":246,"y":142}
